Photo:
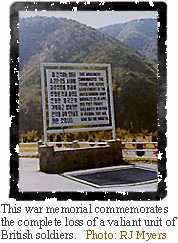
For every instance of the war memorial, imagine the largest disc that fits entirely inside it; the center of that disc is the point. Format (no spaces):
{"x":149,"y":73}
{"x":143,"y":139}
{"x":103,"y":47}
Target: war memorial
{"x":77,"y":97}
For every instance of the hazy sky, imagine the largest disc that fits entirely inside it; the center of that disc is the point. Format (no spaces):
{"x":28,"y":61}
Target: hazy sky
{"x":94,"y":19}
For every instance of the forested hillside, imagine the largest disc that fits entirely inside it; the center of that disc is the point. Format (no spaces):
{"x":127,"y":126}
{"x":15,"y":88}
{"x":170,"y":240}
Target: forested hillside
{"x":141,"y":35}
{"x":45,"y":39}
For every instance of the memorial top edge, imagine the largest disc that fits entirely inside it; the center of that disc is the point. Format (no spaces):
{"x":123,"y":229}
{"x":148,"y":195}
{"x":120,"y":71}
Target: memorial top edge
{"x":75,"y":64}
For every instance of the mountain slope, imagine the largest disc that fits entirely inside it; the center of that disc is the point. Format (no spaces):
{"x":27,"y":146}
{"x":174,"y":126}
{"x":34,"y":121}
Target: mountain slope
{"x":71,"y":41}
{"x":39,"y":33}
{"x":138,"y":34}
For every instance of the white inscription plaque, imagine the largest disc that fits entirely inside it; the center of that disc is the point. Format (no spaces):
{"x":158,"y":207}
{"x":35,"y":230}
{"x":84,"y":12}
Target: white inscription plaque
{"x":76,"y":95}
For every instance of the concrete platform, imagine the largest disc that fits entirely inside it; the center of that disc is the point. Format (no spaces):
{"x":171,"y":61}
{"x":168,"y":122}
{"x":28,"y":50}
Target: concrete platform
{"x":32,"y":180}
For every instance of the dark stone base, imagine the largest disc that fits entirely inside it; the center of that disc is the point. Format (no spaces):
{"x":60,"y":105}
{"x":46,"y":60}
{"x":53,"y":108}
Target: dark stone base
{"x":80,"y":158}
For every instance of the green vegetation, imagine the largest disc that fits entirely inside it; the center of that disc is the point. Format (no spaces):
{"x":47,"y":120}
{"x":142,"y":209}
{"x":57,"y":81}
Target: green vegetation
{"x":99,"y":136}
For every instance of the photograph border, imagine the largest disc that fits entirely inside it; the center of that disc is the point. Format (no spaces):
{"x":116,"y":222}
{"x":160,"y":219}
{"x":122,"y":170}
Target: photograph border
{"x":161,"y":8}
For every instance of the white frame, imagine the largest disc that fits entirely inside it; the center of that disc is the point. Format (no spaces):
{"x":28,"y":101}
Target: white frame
{"x":96,"y":65}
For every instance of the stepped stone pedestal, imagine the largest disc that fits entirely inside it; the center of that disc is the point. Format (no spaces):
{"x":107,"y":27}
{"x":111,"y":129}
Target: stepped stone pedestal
{"x":63,"y":160}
